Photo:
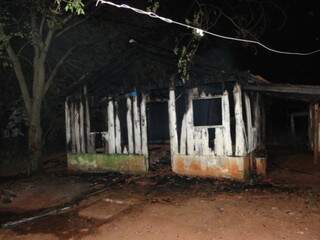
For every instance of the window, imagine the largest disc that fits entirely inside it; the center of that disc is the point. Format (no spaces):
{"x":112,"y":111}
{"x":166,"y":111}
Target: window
{"x":207,"y":112}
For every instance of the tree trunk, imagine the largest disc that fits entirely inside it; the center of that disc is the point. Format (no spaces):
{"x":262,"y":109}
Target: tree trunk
{"x":35,"y":138}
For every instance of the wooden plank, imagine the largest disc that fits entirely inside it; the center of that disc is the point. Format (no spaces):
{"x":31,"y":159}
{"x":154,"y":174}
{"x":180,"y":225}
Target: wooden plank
{"x":137,"y":127}
{"x":310,"y":127}
{"x":190,"y":128}
{"x":129,"y":126}
{"x":226,"y":124}
{"x":111,"y":128}
{"x":68,"y":127}
{"x":77,"y":128}
{"x":249,"y":122}
{"x":316,"y":134}
{"x":198,"y":150}
{"x":82,"y":135}
{"x":89,"y":138}
{"x":173,"y":122}
{"x":219,"y":142}
{"x":72,"y":125}
{"x":240,"y":149}
{"x":144,"y":127}
{"x":117,"y":129}
{"x":282,"y":88}
{"x":183,"y":136}
{"x":257,"y":138}
{"x":205,"y":139}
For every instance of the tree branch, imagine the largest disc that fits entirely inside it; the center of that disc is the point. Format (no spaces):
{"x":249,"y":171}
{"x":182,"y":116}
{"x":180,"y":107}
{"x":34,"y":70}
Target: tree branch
{"x":20,"y":76}
{"x":64,"y":30}
{"x":56,"y":69}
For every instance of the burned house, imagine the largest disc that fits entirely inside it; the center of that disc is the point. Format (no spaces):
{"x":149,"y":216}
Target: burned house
{"x":213,"y":129}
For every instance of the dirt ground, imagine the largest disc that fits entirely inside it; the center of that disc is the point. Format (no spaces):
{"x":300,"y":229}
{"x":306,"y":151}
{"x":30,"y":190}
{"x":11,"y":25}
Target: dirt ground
{"x":161,"y":205}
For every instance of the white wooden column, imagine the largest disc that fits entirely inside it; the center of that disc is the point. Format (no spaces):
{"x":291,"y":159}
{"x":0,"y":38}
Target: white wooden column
{"x":111,"y":128}
{"x":77,"y":127}
{"x":68,"y":127}
{"x":82,"y":136}
{"x":117,"y":130}
{"x":226,"y":124}
{"x":173,"y":123}
{"x":240,"y":149}
{"x":144,"y":129}
{"x":219,"y":142}
{"x":183,"y":136}
{"x":129,"y":126}
{"x":90,"y":137}
{"x":73,"y":127}
{"x":249,"y":123}
{"x":137,"y":128}
{"x":190,"y":127}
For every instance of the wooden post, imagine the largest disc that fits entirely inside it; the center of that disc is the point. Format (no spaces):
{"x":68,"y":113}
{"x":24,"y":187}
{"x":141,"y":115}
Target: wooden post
{"x":137,"y":128}
{"x":73,"y":127}
{"x":111,"y":128}
{"x":316,"y":134}
{"x":77,"y":128}
{"x":249,"y":123}
{"x":82,"y":137}
{"x":183,"y":135}
{"x":257,"y":138}
{"x":129,"y":126}
{"x":190,"y":127}
{"x":90,"y":137}
{"x":68,"y":127}
{"x":310,"y":127}
{"x":240,"y":149}
{"x":205,"y":138}
{"x":144,"y":129}
{"x":219,"y":142}
{"x":226,"y":124}
{"x":117,"y":130}
{"x":173,"y":123}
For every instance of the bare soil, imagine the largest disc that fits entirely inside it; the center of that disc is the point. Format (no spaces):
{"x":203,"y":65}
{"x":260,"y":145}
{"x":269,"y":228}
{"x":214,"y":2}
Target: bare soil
{"x":162,"y":205}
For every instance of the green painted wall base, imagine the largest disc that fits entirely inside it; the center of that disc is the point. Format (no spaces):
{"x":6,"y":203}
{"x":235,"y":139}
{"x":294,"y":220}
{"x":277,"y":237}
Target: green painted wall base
{"x":95,"y":162}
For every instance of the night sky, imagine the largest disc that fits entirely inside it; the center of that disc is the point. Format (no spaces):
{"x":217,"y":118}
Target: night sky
{"x":299,"y":32}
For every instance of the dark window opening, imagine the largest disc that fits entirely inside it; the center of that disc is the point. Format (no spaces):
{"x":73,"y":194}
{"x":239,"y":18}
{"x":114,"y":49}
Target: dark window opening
{"x":207,"y":112}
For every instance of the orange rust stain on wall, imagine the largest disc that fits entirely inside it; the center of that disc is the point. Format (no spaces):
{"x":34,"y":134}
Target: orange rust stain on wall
{"x":179,"y":165}
{"x":195,"y":167}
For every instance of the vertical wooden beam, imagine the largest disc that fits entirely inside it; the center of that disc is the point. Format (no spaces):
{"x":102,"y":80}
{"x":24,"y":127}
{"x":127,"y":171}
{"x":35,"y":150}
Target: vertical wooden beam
{"x":173,"y":122}
{"x":117,"y":130}
{"x":226,"y":124}
{"x":219,"y":142}
{"x":77,"y":127}
{"x":263,"y":132}
{"x":137,"y":128}
{"x":183,"y":135}
{"x":240,"y":149}
{"x":81,"y":121}
{"x":316,"y":134}
{"x":197,"y":136}
{"x":249,"y":122}
{"x":144,"y":129}
{"x":89,"y":136}
{"x":310,"y":127}
{"x":111,"y":128}
{"x":68,"y":127}
{"x":257,"y":140}
{"x":190,"y":126}
{"x":129,"y":126}
{"x":73,"y":127}
{"x":205,"y":139}
{"x":292,"y":126}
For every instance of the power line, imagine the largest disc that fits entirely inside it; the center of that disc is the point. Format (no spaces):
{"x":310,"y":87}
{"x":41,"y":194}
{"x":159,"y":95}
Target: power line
{"x":201,"y":32}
